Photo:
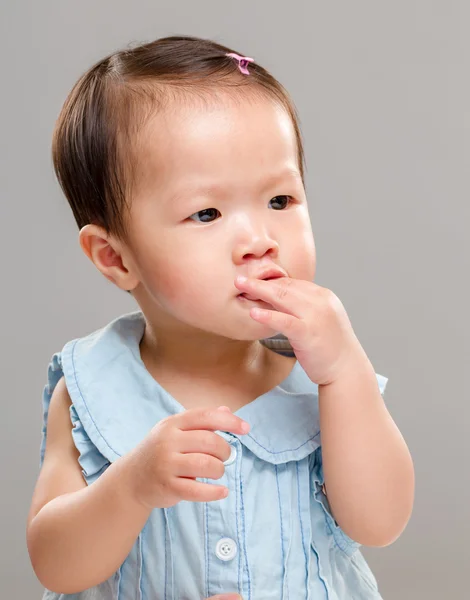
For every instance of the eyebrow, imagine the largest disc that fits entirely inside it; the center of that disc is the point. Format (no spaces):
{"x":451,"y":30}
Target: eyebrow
{"x":217,"y":190}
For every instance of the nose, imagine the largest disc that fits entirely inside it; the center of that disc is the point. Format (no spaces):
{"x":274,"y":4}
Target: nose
{"x":256,"y":245}
{"x":253,"y":235}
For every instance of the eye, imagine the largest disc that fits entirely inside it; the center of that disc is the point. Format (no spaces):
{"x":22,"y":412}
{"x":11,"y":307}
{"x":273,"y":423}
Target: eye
{"x":207,"y":212}
{"x":284,"y":200}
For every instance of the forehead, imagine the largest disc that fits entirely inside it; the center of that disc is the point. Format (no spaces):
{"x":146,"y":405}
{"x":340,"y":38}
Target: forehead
{"x":226,"y":143}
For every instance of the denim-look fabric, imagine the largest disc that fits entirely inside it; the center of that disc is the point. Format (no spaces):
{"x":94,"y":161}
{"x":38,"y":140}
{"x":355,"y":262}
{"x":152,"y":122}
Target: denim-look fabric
{"x":273,"y":537}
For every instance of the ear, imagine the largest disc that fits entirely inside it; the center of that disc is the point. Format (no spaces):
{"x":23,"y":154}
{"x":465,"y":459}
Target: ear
{"x":109,"y":256}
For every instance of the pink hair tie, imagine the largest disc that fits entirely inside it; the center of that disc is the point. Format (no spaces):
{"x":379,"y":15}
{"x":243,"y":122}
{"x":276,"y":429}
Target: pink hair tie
{"x":242,"y":62}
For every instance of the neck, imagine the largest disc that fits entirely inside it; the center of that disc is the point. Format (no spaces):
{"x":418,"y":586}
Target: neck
{"x":201,"y":354}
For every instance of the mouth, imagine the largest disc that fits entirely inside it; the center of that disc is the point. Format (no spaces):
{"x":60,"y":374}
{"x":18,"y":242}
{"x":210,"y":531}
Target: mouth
{"x":247,"y":298}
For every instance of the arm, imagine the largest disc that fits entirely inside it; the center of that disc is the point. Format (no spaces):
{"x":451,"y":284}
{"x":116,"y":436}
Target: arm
{"x":78,"y":535}
{"x":368,"y":469}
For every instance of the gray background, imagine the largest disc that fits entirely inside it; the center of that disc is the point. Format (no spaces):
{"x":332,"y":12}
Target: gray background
{"x":382,"y":92}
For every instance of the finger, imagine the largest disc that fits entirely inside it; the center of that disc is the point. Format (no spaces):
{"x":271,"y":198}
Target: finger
{"x":198,"y":465}
{"x":205,"y":442}
{"x":280,"y":322}
{"x":282,"y":293}
{"x":197,"y":491}
{"x":211,"y":419}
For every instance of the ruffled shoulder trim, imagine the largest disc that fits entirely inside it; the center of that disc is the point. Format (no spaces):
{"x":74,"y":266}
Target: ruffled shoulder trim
{"x":93,"y":463}
{"x":54,"y":374}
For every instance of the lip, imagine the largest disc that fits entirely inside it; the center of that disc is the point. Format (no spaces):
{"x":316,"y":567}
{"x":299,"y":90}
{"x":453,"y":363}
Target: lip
{"x":271,"y":273}
{"x":268,"y":273}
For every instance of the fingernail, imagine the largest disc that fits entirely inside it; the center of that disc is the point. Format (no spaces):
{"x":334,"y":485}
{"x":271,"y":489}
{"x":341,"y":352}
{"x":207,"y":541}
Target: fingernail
{"x":241,"y":279}
{"x":245,"y":427}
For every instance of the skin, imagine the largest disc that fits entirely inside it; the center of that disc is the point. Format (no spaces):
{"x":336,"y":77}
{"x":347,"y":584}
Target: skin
{"x":181,"y":264}
{"x":182,"y":273}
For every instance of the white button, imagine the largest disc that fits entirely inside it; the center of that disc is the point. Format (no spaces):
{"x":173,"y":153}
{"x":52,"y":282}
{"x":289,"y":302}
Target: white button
{"x":226,"y":549}
{"x":232,"y":457}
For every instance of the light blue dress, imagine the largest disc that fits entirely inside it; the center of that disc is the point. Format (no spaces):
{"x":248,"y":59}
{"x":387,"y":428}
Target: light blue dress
{"x":272,"y":538}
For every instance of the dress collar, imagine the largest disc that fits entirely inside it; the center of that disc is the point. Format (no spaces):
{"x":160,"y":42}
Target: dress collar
{"x":118,"y":401}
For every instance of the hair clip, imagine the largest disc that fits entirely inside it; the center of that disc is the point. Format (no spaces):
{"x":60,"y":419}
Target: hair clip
{"x":242,"y":62}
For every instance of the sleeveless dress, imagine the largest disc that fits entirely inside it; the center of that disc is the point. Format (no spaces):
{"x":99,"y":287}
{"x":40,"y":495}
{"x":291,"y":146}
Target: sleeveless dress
{"x":273,"y":537}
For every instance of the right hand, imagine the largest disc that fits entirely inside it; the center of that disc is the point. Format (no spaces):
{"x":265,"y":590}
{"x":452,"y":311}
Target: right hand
{"x":178,"y":449}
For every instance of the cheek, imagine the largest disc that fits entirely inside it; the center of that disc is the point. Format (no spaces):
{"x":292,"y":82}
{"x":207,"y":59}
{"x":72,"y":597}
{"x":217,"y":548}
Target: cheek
{"x":302,"y":252}
{"x":181,"y":286}
{"x":309,"y":246}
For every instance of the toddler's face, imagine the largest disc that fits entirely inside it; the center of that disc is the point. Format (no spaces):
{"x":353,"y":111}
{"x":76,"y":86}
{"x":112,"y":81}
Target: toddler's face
{"x":219,"y":195}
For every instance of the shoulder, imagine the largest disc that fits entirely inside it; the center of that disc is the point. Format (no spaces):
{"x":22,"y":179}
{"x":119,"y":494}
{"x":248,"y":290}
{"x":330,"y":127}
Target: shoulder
{"x":59,"y":424}
{"x":59,"y":445}
{"x":60,"y":470}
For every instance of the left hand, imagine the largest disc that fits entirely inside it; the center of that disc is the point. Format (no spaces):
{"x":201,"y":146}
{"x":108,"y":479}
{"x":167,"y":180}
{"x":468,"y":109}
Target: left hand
{"x":312,"y":318}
